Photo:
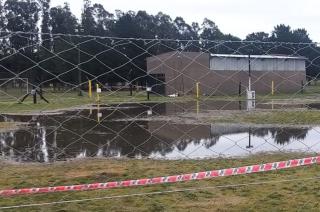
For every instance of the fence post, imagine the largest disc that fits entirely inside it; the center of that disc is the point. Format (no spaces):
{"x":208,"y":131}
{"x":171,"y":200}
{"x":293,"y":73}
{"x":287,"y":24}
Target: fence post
{"x":272,"y":88}
{"x":302,"y":86}
{"x":98,"y":93}
{"x":34,"y":95}
{"x":197,"y":90}
{"x":90,"y":89}
{"x":239,"y":92}
{"x":197,"y":106}
{"x":148,"y":89}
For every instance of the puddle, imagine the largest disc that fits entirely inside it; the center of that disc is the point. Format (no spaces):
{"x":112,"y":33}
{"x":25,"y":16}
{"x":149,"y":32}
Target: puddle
{"x":95,"y":133}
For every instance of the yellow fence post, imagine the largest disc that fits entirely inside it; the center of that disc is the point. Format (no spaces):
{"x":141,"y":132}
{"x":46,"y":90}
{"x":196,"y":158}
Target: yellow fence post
{"x":197,"y":90}
{"x":90,"y":89}
{"x":197,"y":107}
{"x":272,"y":88}
{"x":98,"y":93}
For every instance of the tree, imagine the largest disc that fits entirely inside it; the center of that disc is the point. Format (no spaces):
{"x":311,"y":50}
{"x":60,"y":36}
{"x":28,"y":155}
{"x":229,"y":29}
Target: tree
{"x":45,"y":25}
{"x":2,"y":30}
{"x":165,"y":27}
{"x":185,"y":30}
{"x":2,"y":17}
{"x":22,"y":15}
{"x":282,"y":33}
{"x":88,"y":24}
{"x":258,"y":36}
{"x":210,"y":30}
{"x":104,"y":20}
{"x":301,"y":35}
{"x":187,"y":34}
{"x":210,"y":34}
{"x":62,"y":20}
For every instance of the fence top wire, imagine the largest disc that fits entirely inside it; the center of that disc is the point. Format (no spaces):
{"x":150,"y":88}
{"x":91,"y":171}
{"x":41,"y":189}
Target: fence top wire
{"x":158,"y":39}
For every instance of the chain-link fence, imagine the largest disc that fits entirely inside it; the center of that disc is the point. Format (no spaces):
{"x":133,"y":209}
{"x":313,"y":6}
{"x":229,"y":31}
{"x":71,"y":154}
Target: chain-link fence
{"x":81,"y":109}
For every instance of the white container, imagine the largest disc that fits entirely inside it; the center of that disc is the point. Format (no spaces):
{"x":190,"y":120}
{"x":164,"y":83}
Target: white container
{"x":251,"y":95}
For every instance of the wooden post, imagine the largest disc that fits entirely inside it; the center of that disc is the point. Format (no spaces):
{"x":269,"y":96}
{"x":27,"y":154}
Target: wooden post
{"x":198,"y":90}
{"x":90,"y":89}
{"x":197,"y":106}
{"x":272,"y":88}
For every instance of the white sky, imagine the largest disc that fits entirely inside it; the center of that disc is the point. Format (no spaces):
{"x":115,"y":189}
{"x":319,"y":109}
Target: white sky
{"x":238,"y":17}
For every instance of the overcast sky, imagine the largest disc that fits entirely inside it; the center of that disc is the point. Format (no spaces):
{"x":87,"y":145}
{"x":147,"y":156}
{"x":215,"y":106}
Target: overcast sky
{"x":238,"y":17}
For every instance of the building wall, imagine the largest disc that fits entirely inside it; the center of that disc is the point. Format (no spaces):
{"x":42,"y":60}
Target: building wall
{"x":257,"y":64}
{"x":183,"y":70}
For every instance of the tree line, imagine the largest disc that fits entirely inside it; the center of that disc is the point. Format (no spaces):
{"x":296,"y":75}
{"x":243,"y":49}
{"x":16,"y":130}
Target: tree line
{"x":46,"y":49}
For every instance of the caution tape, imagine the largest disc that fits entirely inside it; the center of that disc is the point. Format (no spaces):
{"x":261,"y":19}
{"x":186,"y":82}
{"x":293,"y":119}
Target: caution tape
{"x":169,"y":179}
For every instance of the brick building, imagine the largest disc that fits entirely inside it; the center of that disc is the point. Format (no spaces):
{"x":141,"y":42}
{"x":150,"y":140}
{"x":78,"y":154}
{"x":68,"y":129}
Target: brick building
{"x":220,"y":74}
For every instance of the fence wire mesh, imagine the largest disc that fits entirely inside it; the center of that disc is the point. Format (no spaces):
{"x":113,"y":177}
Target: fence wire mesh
{"x":77,"y":109}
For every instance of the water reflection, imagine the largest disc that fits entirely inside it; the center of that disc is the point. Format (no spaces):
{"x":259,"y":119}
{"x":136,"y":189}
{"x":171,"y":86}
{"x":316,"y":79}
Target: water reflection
{"x":99,"y":133}
{"x":150,"y":139}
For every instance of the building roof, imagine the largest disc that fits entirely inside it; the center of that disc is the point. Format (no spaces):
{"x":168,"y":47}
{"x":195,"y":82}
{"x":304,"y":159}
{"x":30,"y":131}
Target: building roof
{"x":258,"y":56}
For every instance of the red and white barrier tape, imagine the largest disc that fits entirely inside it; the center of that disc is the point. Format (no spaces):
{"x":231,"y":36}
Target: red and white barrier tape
{"x":170,"y":179}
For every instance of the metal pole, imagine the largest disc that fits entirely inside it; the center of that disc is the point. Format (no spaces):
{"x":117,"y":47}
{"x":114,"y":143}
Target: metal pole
{"x":249,"y":86}
{"x":34,"y":94}
{"x":239,"y":89}
{"x":272,"y":88}
{"x":249,"y":146}
{"x":148,"y":92}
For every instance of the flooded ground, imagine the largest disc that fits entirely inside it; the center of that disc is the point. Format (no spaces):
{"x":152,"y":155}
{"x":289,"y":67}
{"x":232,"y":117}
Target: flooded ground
{"x":117,"y":131}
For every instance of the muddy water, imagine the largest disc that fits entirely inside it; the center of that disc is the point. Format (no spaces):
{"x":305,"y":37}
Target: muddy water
{"x":99,"y":133}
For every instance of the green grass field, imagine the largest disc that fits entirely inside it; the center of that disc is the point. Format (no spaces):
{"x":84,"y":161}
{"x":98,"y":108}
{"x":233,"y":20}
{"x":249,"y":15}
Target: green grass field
{"x":273,"y":191}
{"x":68,"y":99}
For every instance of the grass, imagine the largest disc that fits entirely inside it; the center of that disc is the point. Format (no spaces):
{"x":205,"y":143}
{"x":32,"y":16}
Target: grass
{"x":280,"y":117}
{"x":283,"y":117}
{"x":286,"y":196}
{"x":69,"y":99}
